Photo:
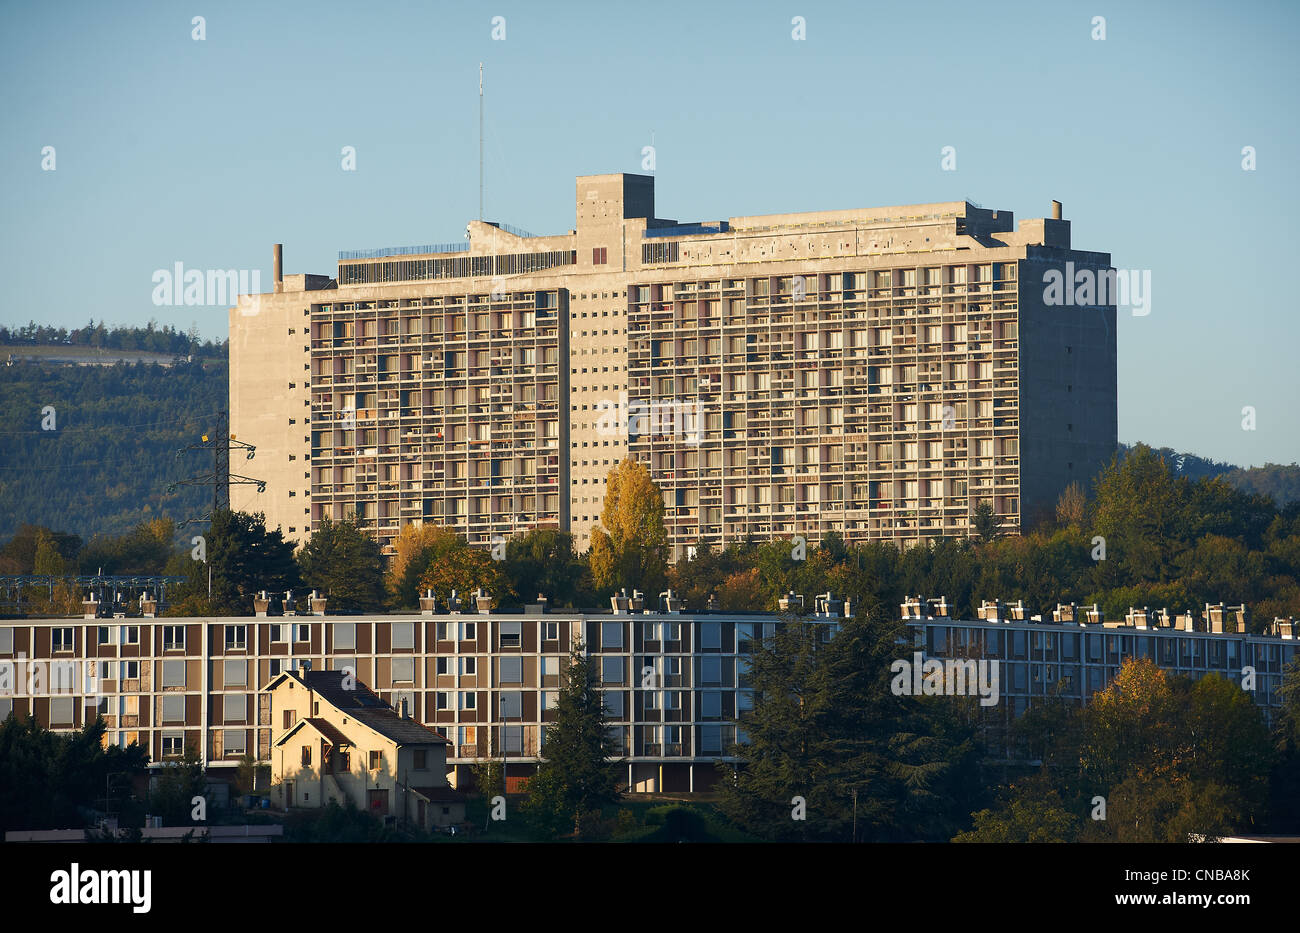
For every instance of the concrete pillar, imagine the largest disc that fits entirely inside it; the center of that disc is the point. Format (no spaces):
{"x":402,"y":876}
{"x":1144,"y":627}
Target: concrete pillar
{"x":278,"y":267}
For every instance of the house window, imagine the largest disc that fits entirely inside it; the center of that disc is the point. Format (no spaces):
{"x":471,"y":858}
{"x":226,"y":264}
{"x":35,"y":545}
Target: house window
{"x":105,"y":635}
{"x":552,"y":631}
{"x":514,"y":740}
{"x":345,"y":635}
{"x":173,"y":744}
{"x":512,"y":670}
{"x":611,"y":670}
{"x":421,"y":760}
{"x":710,"y":670}
{"x":301,"y":632}
{"x":236,"y":637}
{"x":234,"y":741}
{"x":467,"y":631}
{"x":403,"y":670}
{"x":173,"y":638}
{"x":599,"y":255}
{"x":511,"y":634}
{"x":442,"y":699}
{"x":290,"y":717}
{"x":376,"y":760}
{"x":279,"y":634}
{"x":468,"y":667}
{"x":130,"y":634}
{"x":61,"y":638}
{"x":468,"y":700}
{"x":130,"y":670}
{"x":444,"y":665}
{"x":306,"y":756}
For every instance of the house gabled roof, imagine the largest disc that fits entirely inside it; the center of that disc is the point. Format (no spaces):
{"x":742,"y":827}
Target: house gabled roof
{"x":359,"y":702}
{"x":324,"y":727}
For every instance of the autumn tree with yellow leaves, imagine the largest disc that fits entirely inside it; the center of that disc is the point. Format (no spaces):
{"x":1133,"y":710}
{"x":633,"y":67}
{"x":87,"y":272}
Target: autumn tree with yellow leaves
{"x":629,"y":548}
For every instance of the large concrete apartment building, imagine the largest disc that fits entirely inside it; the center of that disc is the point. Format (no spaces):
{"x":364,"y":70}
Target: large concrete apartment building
{"x":875,"y":372}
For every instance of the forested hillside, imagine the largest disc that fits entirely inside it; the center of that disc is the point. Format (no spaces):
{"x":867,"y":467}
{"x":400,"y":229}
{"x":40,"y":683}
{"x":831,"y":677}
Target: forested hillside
{"x":91,"y":449}
{"x":1280,"y":481}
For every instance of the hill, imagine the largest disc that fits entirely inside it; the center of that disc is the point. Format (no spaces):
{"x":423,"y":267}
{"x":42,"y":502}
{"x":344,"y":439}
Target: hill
{"x":91,"y":449}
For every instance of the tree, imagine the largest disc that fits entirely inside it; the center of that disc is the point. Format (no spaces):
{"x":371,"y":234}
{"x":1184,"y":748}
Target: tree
{"x":1071,"y":507}
{"x":414,"y":548}
{"x":542,"y":562}
{"x":344,"y":562}
{"x":176,"y":785}
{"x":984,"y":522}
{"x":577,"y":773}
{"x":244,"y":558}
{"x":629,"y":548}
{"x":464,"y":569}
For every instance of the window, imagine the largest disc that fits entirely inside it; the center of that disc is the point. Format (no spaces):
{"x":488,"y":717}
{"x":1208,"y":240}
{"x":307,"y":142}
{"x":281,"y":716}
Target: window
{"x":467,"y":631}
{"x":549,"y":699}
{"x":301,"y":632}
{"x":306,"y":756}
{"x":279,"y":633}
{"x":511,"y":633}
{"x":614,"y":704}
{"x":130,"y":634}
{"x":376,"y":760}
{"x":512,"y":670}
{"x":551,"y":631}
{"x":611,"y":670}
{"x":173,"y":673}
{"x":710,"y":670}
{"x":105,"y":635}
{"x":468,"y":667}
{"x":236,"y":637}
{"x":444,"y":666}
{"x":403,"y":635}
{"x":711,"y":704}
{"x":403,"y":670}
{"x":611,"y":635}
{"x":234,"y":742}
{"x":234,"y":707}
{"x":468,"y":700}
{"x":173,"y":744}
{"x":711,"y":636}
{"x":511,"y":704}
{"x":173,"y":708}
{"x":129,"y":670}
{"x":173,"y":638}
{"x":711,"y":739}
{"x":61,"y":710}
{"x":235,"y":673}
{"x":61,"y":639}
{"x":421,"y":762}
{"x":441,"y":699}
{"x":513,"y":740}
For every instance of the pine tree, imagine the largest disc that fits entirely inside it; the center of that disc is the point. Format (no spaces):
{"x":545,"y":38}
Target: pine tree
{"x":578,"y":773}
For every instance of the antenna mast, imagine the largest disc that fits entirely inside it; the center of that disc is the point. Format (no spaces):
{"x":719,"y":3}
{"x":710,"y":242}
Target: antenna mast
{"x":480,"y":140}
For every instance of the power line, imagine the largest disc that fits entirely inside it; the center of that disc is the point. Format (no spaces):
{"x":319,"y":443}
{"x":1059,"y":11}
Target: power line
{"x":102,"y":427}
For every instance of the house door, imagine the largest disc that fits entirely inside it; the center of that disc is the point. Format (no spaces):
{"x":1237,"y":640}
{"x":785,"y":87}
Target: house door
{"x":288,"y":794}
{"x":377,"y":800}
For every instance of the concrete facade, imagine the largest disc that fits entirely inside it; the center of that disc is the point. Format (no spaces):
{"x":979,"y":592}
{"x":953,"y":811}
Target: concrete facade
{"x":876,"y":372}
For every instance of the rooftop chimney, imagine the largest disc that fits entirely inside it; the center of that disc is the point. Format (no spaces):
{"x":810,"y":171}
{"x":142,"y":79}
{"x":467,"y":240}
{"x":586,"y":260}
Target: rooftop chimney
{"x":317,"y":604}
{"x":261,"y":603}
{"x":428,"y":603}
{"x":1056,"y":210}
{"x":482,"y":601}
{"x":278,"y":266}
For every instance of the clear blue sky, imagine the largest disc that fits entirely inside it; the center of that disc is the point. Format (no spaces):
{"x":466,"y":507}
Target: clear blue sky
{"x":174,"y":150}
